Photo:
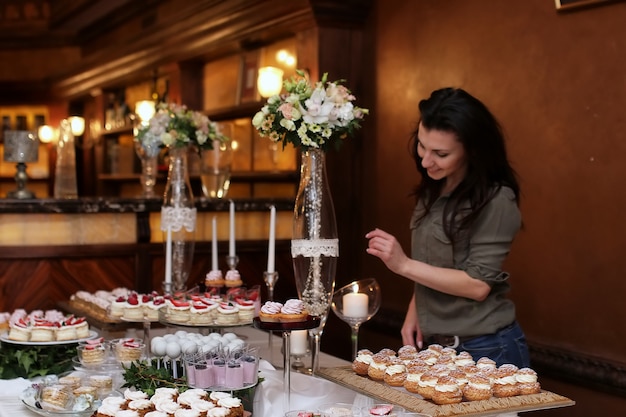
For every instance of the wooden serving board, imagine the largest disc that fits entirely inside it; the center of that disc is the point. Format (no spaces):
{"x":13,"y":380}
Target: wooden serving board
{"x":346,"y":377}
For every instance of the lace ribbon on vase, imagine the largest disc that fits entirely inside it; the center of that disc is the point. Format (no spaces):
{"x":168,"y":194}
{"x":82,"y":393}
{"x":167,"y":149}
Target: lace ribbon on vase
{"x":312,"y":248}
{"x":175,"y":218}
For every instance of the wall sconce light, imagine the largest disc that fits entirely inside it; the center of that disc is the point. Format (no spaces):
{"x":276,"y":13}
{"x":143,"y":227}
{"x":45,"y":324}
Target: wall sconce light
{"x":77,"y":125}
{"x":286,"y":58}
{"x":270,"y":81}
{"x":46,"y":134}
{"x":145,"y":109}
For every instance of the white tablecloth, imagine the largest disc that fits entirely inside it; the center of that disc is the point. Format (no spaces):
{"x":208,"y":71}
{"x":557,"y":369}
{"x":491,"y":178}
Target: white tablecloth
{"x":307,"y":392}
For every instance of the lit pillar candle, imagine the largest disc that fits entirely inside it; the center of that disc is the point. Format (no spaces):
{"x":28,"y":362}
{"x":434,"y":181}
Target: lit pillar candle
{"x":299,"y":342}
{"x":214,"y":245}
{"x":355,"y":305}
{"x":271,"y":253}
{"x":231,"y":234}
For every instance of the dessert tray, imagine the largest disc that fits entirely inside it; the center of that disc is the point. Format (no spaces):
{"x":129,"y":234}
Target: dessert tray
{"x":310,"y":323}
{"x":346,"y":377}
{"x":4,"y":337}
{"x":166,"y":320}
{"x":30,"y":397}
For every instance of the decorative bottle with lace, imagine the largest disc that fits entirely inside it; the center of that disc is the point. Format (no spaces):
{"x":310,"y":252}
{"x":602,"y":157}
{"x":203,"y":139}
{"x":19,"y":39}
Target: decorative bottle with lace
{"x":315,"y":245}
{"x":178,"y":222}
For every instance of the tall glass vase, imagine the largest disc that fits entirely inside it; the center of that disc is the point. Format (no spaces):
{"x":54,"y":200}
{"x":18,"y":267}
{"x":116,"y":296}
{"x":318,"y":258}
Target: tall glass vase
{"x":215,"y":167}
{"x":149,"y":156}
{"x":178,"y":222}
{"x":315,"y":244}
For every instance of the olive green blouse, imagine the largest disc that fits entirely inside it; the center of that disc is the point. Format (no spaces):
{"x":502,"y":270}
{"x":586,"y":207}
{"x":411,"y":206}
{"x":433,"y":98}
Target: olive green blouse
{"x":480,"y":252}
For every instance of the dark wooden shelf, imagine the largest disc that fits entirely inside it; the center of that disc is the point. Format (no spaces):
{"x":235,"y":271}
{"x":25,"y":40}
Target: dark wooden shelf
{"x":241,"y":176}
{"x":117,"y":131}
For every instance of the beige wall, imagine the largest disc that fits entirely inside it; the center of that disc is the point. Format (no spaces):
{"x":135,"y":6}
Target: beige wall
{"x":557,"y":83}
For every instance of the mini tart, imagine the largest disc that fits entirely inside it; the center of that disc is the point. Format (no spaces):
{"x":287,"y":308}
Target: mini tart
{"x":19,"y":333}
{"x":200,"y":313}
{"x":66,"y":333}
{"x":378,"y":366}
{"x":527,"y":381}
{"x":478,"y":388}
{"x":395,"y":374}
{"x":133,"y":312}
{"x":43,"y":332}
{"x":361,"y":363}
{"x":227,"y":313}
{"x":447,"y":391}
{"x":246,"y":310}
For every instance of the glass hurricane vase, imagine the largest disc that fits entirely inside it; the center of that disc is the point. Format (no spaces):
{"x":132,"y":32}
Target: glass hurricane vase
{"x":149,"y":157}
{"x":355,"y":304}
{"x":315,"y":245}
{"x":215,"y":169}
{"x":178,"y":222}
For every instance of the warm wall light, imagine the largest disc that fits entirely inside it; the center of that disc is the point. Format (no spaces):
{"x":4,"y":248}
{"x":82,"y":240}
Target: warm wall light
{"x":77,"y":125}
{"x":145,"y":109}
{"x":286,"y":58}
{"x":270,"y":81}
{"x":45,"y":133}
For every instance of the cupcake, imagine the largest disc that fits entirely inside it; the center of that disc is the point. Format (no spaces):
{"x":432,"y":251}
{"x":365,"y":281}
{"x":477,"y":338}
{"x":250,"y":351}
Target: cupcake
{"x":270,"y":311}
{"x":214,"y":279}
{"x":293,"y":311}
{"x":233,"y":279}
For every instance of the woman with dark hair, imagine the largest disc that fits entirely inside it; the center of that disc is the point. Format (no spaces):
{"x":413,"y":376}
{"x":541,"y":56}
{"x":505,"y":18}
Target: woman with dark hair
{"x":466,"y":217}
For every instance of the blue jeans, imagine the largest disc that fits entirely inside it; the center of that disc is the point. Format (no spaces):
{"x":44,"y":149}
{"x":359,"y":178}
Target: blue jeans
{"x":508,"y":345}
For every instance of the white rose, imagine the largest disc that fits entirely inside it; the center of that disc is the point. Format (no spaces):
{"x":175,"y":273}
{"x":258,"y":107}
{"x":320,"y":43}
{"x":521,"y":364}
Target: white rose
{"x":258,"y":118}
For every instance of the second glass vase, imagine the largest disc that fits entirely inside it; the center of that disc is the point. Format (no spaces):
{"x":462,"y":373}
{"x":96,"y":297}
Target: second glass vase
{"x":178,"y":222}
{"x":315,"y":244}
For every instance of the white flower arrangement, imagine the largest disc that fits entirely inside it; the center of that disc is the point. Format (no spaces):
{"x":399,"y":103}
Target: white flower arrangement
{"x":309,"y":116}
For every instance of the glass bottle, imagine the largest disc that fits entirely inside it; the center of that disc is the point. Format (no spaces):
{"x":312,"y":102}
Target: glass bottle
{"x":178,"y":222}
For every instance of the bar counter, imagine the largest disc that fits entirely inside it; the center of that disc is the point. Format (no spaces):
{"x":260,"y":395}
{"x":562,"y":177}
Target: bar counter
{"x":128,"y":220}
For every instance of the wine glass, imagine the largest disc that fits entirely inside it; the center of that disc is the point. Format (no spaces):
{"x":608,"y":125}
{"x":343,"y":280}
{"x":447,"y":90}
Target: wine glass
{"x":355,"y":304}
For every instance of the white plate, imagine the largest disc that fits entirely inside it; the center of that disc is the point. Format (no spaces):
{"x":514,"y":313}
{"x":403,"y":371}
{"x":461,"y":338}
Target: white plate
{"x":5,"y":338}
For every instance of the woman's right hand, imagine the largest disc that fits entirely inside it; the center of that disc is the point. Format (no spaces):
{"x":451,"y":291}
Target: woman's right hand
{"x":411,"y":333}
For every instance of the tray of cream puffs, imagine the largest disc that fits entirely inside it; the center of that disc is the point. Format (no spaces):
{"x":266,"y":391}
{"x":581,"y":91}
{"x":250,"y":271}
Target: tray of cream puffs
{"x":442,"y":382}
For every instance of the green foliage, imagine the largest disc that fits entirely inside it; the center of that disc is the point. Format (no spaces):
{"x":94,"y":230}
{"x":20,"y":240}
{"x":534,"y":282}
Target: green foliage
{"x":31,"y":361}
{"x":145,"y":377}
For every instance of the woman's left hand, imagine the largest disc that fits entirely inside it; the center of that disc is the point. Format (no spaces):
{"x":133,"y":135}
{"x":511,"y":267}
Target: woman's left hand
{"x":386,"y":247}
